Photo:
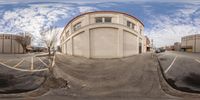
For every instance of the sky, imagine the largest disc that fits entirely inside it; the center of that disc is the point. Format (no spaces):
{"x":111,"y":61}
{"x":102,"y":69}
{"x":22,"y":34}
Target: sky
{"x":165,"y":21}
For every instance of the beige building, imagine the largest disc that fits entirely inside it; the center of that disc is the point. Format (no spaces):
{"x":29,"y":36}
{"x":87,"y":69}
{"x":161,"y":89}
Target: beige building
{"x":191,"y":43}
{"x":177,"y":46}
{"x":8,"y":44}
{"x":103,"y":34}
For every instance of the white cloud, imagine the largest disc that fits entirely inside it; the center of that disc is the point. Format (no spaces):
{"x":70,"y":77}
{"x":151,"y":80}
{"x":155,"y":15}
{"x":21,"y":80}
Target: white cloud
{"x":94,"y":1}
{"x":34,"y":17}
{"x":84,"y":9}
{"x":168,"y":29}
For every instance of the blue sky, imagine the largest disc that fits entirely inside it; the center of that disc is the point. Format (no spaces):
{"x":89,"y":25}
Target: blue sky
{"x":165,"y":21}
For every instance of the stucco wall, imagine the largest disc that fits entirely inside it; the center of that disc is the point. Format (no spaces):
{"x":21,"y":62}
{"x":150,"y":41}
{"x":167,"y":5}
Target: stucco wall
{"x":78,"y":44}
{"x":198,"y":45}
{"x":1,"y":41}
{"x":105,"y":39}
{"x":10,"y":45}
{"x":7,"y":46}
{"x":69,"y":47}
{"x":189,"y":41}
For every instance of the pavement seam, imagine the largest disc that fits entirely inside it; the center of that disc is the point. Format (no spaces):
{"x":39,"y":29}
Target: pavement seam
{"x":170,"y":65}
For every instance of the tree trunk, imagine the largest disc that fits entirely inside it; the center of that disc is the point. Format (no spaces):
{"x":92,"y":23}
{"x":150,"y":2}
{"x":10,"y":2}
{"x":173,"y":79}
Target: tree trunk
{"x":49,"y":50}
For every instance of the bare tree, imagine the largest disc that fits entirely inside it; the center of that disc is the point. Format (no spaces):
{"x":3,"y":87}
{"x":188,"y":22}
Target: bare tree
{"x":49,"y":37}
{"x":24,"y":39}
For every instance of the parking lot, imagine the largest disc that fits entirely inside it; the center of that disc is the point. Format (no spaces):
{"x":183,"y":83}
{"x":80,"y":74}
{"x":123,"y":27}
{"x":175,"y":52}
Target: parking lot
{"x":24,"y":61}
{"x":22,"y":72}
{"x":182,"y":70}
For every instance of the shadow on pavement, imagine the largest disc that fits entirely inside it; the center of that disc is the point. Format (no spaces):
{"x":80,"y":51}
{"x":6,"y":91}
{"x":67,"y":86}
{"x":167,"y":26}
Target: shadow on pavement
{"x":14,"y":81}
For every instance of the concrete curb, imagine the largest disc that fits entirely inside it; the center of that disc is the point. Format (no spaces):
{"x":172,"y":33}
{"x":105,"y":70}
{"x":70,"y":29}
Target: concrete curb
{"x":168,"y":88}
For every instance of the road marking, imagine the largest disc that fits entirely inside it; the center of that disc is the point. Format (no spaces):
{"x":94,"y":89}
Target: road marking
{"x":31,"y":63}
{"x":43,"y":62}
{"x":170,"y":65}
{"x":24,"y":70}
{"x":19,"y":63}
{"x":197,"y":60}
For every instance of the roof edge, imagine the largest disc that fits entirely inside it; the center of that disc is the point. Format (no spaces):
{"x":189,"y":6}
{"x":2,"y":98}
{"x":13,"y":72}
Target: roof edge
{"x":82,"y":14}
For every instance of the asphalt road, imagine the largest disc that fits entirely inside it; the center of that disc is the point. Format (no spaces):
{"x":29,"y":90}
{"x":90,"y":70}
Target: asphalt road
{"x":182,"y":70}
{"x":15,"y":81}
{"x":133,"y":77}
{"x":18,"y":73}
{"x":24,"y":61}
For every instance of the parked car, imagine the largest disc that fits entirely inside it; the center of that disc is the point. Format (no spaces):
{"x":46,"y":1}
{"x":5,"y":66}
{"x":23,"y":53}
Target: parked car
{"x":162,"y":50}
{"x":157,"y":50}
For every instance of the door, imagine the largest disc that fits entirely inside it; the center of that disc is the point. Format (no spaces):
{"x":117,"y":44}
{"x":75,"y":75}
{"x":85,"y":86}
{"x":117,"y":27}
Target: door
{"x":140,"y":47}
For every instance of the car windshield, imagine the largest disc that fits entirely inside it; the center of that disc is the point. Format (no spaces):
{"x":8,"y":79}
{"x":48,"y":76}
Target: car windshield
{"x":100,"y":49}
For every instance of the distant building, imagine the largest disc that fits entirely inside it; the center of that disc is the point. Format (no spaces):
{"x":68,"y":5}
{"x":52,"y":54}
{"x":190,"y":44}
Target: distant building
{"x":148,"y":44}
{"x":191,"y":43}
{"x":103,"y":34}
{"x":177,"y":46}
{"x":9,"y":44}
{"x":38,"y":49}
{"x":169,"y":48}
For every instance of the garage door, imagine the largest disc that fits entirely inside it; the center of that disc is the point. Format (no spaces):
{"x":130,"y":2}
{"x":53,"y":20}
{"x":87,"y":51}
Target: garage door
{"x":130,"y":44}
{"x":103,"y":42}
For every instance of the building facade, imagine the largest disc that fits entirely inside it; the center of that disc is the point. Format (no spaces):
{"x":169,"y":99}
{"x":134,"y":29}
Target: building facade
{"x":177,"y":46}
{"x":103,"y":34}
{"x":9,"y":44}
{"x":148,"y":44}
{"x":191,"y":43}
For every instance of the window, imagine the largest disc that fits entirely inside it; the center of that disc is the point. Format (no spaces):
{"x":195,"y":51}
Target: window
{"x":133,"y":26}
{"x":67,"y":33}
{"x":140,"y":31}
{"x":77,"y":26}
{"x":103,"y":19}
{"x":130,"y":24}
{"x":99,"y":19}
{"x":108,"y":19}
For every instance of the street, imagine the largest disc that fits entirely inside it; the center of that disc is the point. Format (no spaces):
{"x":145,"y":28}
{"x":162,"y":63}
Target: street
{"x":182,"y":70}
{"x":132,"y":77}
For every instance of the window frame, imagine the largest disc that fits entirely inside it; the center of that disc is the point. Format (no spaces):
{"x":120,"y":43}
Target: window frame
{"x":110,"y":19}
{"x":77,"y":26}
{"x":98,"y":18}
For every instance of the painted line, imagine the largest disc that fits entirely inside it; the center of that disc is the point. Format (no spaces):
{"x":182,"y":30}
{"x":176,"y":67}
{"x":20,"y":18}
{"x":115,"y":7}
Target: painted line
{"x":170,"y":65}
{"x":43,"y":62}
{"x":197,"y":60}
{"x":31,"y":63}
{"x":24,"y":70}
{"x":53,"y":63}
{"x":19,"y":63}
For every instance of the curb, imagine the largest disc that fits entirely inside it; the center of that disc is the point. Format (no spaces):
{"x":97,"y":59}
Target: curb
{"x":167,"y":88}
